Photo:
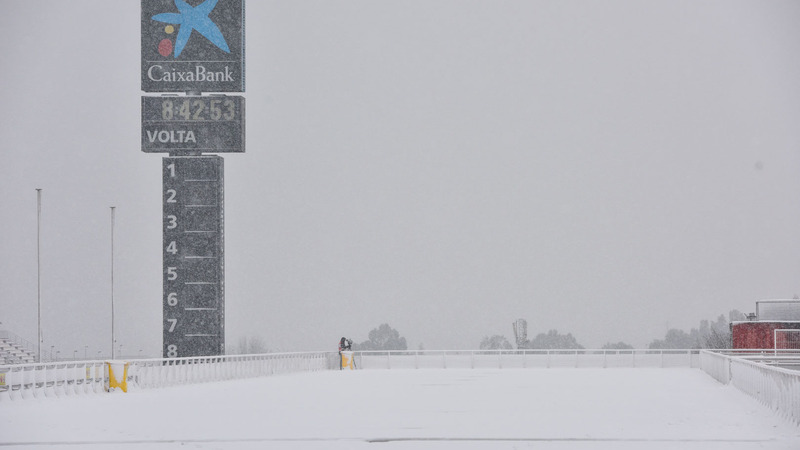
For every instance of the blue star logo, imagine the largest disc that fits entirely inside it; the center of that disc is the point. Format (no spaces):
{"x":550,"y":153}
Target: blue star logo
{"x":194,"y":18}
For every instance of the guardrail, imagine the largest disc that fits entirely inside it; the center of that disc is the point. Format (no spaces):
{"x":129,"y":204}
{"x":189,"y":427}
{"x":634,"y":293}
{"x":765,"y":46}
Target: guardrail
{"x":77,"y":377}
{"x":759,"y":374}
{"x":152,"y":373}
{"x":51,"y":379}
{"x":473,"y":359}
{"x":85,"y":377}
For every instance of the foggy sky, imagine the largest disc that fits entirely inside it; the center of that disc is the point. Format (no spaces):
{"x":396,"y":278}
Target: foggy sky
{"x":609,"y":169}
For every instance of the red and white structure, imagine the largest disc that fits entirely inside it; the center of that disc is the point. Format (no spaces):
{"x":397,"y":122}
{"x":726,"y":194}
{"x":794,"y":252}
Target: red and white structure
{"x":776,"y":325}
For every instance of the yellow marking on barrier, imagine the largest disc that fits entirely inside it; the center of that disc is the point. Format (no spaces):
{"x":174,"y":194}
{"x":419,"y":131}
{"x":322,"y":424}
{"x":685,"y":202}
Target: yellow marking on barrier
{"x":347,"y":361}
{"x":2,"y":379}
{"x":112,"y":381}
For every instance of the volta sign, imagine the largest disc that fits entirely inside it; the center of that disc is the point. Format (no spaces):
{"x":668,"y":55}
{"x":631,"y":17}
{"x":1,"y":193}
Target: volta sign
{"x":192,"y":45}
{"x":191,"y":124}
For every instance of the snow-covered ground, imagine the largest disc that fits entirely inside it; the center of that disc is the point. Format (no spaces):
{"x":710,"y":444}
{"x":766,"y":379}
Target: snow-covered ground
{"x":411,"y":409}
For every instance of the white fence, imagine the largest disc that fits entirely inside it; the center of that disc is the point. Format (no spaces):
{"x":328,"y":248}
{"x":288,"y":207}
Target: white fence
{"x":777,"y":387}
{"x":758,"y":374}
{"x":79,"y":377}
{"x":523,"y":359}
{"x":51,"y":379}
{"x":84,"y":377}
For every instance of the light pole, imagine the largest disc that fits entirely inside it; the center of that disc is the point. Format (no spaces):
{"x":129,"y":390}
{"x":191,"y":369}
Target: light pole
{"x":38,"y":273}
{"x":75,"y":355}
{"x":113,"y":340}
{"x":52,"y":349}
{"x":85,"y":352}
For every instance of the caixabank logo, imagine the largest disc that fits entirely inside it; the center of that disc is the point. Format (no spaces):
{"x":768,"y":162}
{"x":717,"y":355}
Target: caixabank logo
{"x":192,"y":45}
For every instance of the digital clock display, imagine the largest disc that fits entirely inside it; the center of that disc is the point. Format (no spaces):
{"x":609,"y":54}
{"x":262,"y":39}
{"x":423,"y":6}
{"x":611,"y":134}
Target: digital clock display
{"x":198,"y":109}
{"x":191,"y":125}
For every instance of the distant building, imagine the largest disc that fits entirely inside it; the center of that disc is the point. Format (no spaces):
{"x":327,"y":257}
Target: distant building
{"x":775,"y":325}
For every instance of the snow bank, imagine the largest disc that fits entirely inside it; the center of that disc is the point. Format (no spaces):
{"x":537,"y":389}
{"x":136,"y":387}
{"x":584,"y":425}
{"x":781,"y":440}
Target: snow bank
{"x":410,"y":409}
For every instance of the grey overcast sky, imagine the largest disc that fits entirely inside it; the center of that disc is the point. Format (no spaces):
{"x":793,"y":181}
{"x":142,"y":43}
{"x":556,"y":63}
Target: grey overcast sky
{"x":605,"y":168}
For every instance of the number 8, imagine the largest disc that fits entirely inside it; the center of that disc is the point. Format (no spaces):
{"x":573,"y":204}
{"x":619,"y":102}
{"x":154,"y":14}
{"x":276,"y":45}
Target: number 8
{"x":166,"y":109}
{"x":172,"y":351}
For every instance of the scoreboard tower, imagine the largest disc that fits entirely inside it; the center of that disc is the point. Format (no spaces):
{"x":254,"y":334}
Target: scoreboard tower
{"x":190,"y":48}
